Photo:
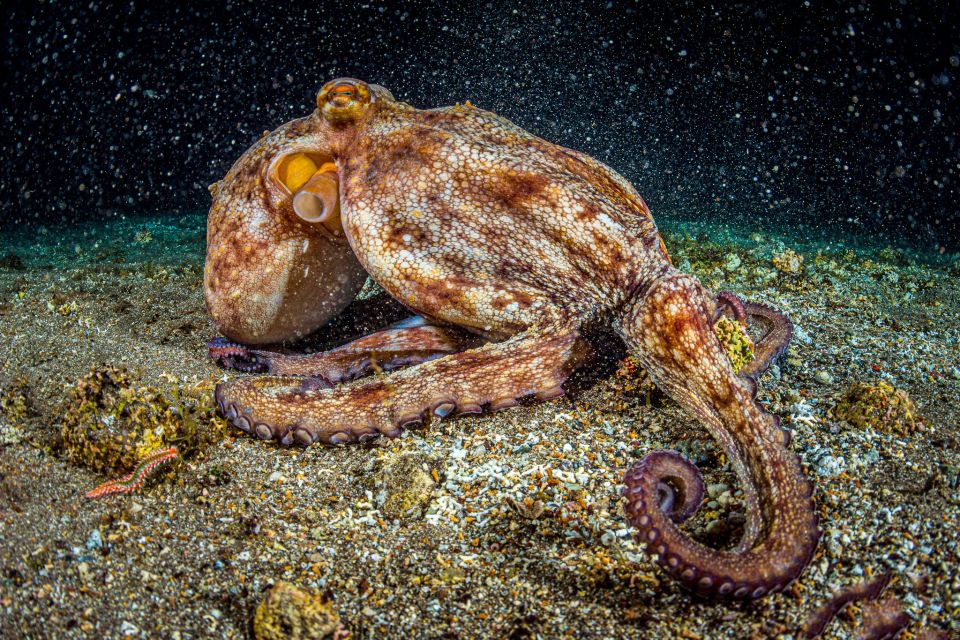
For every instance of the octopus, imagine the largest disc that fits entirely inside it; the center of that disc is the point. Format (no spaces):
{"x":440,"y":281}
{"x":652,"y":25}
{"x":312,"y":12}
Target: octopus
{"x":508,"y":250}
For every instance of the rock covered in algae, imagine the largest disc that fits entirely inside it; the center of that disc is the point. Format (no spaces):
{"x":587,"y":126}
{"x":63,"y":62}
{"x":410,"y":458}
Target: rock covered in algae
{"x":289,"y":613}
{"x":879,"y":406}
{"x":405,"y":481}
{"x":14,"y":410}
{"x":788,"y":261}
{"x":110,"y":423}
{"x":735,"y":340}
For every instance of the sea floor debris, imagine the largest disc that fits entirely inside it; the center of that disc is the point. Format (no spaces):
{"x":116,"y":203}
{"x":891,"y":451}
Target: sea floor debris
{"x":508,"y":524}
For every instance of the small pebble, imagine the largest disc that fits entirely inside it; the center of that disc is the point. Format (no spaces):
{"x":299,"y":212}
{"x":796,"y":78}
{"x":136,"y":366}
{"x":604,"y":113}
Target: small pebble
{"x":95,"y":541}
{"x":83,"y":570}
{"x":715,"y":489}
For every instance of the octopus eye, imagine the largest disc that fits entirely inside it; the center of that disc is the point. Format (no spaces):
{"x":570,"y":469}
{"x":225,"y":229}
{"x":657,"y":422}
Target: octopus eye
{"x":343,"y":91}
{"x":344,"y":99}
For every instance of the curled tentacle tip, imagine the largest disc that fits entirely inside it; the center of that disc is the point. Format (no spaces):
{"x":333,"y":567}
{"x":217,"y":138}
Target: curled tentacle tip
{"x":231,"y":355}
{"x":677,"y":483}
{"x":731,"y":301}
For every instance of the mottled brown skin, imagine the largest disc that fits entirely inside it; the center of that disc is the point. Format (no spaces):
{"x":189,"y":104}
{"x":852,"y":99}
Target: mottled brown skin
{"x":270,"y":276}
{"x":483,"y":229}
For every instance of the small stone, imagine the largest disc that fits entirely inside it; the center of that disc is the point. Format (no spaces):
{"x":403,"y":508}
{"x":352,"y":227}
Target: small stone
{"x":407,"y":481}
{"x":83,"y":570}
{"x":715,"y":489}
{"x":827,"y":465}
{"x":732,"y":262}
{"x":276,"y":476}
{"x":801,"y":335}
{"x":95,"y":541}
{"x":823,"y":377}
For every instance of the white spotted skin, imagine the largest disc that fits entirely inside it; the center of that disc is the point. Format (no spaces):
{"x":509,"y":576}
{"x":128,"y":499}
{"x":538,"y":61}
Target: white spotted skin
{"x":469,"y":220}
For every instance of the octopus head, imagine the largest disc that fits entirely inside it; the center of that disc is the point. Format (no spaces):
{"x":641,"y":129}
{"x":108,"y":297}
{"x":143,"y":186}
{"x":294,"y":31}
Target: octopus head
{"x":278,"y":265}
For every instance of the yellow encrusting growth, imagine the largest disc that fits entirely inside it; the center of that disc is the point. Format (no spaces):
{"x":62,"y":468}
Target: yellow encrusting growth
{"x":736,"y":342}
{"x":288,"y":612}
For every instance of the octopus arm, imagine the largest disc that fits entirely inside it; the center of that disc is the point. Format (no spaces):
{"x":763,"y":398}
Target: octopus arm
{"x":300,"y":411}
{"x":401,"y":345}
{"x":668,"y":329}
{"x":778,"y":330}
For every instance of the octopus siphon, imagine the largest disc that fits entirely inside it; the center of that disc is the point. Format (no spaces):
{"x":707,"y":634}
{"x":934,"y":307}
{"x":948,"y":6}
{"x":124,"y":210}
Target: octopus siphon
{"x":507,"y":249}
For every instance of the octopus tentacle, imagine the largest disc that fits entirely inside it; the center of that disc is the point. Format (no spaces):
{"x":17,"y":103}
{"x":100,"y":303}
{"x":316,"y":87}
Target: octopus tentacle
{"x":669,"y":330}
{"x":232,"y":355}
{"x":881,"y":618}
{"x":729,"y":301}
{"x":410,"y":342}
{"x":777,"y":329}
{"x":495,"y":374}
{"x":680,"y":488}
{"x":773,"y":342}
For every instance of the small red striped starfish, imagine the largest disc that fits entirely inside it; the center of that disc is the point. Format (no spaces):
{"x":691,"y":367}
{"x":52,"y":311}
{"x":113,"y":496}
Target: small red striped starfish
{"x":135,"y":479}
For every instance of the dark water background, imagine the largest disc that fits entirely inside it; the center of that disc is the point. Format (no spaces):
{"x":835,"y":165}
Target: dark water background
{"x":826,"y":118}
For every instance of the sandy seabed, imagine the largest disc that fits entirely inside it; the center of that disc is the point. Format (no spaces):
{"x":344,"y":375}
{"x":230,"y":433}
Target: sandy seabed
{"x":503,"y":526}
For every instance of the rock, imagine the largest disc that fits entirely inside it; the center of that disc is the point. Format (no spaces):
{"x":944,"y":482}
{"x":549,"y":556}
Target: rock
{"x":715,"y":489}
{"x":129,"y":629}
{"x":801,"y":335}
{"x":732,"y":262}
{"x":788,"y":261}
{"x":823,"y":377}
{"x":95,"y":541}
{"x":879,"y":406}
{"x":110,"y":423}
{"x":827,"y":465}
{"x":83,"y":570}
{"x":289,"y":613}
{"x":406,"y":482}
